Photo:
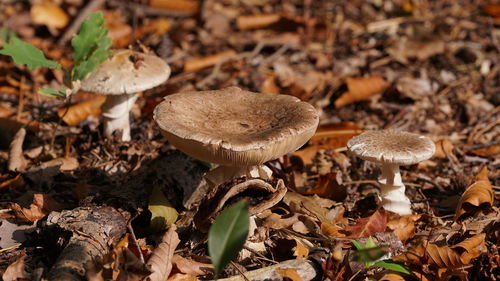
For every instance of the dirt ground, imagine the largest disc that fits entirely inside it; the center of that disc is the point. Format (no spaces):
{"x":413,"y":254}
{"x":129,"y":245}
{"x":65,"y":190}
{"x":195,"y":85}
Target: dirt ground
{"x":80,"y":206}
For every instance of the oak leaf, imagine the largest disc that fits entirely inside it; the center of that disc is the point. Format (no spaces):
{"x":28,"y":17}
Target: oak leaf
{"x":477,"y":197}
{"x":41,"y":206}
{"x":361,"y":89}
{"x":404,"y":227}
{"x":368,"y":226}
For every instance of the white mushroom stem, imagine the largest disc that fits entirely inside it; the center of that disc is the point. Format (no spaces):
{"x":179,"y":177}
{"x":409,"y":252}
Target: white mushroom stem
{"x":392,"y":190}
{"x":222,"y":174}
{"x":116,"y":110}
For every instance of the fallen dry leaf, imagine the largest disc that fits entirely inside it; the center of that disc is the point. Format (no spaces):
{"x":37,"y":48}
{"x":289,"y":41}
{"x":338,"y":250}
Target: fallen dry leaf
{"x":488,"y":151}
{"x":493,"y":10}
{"x":327,"y":187}
{"x":49,"y":13}
{"x":331,"y":230}
{"x":161,"y":259}
{"x":77,"y":113}
{"x":421,"y":48}
{"x":477,"y":197}
{"x":404,"y":227}
{"x":16,"y":270}
{"x":444,"y":257}
{"x":361,"y":89}
{"x":7,"y":181}
{"x":365,"y":227}
{"x":195,"y":64}
{"x":336,"y":135}
{"x":189,"y":266}
{"x":444,"y":147}
{"x":182,"y":277}
{"x":17,"y":162}
{"x":275,"y":221}
{"x":41,"y":206}
{"x":300,"y":251}
{"x":269,"y":85}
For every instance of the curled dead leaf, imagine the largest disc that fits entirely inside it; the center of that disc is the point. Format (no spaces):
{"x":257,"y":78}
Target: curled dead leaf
{"x":331,"y":230}
{"x":41,"y":206}
{"x":246,"y":22}
{"x":444,"y":257}
{"x":182,"y":6}
{"x":368,"y":226}
{"x":161,"y":259}
{"x":77,"y":113}
{"x":16,"y":270}
{"x":477,"y":197}
{"x":196,"y":64}
{"x":50,"y":14}
{"x":444,"y":147}
{"x":404,"y":227}
{"x":361,"y":89}
{"x":392,"y":277}
{"x":189,"y":266}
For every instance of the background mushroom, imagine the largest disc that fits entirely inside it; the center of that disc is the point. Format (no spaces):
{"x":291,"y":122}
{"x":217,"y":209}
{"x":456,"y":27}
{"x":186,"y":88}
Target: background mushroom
{"x":392,"y":148}
{"x":237,"y":129}
{"x":119,"y":78}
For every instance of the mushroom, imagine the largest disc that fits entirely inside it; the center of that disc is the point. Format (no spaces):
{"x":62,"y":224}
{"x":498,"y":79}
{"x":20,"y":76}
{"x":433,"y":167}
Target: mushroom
{"x":392,"y":148}
{"x":236,"y":129}
{"x":119,"y":78}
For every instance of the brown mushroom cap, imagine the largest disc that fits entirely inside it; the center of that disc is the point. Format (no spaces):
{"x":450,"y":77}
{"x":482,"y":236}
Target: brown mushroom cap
{"x":126,"y":72}
{"x":234,"y":127}
{"x":391,"y":147}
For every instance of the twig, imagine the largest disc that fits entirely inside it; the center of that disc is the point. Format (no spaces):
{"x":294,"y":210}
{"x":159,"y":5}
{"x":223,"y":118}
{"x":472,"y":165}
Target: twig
{"x":239,"y":270}
{"x":72,"y":29}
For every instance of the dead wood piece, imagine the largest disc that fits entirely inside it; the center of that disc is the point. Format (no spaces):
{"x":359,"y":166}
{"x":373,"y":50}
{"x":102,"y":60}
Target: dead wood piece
{"x":17,"y":162}
{"x":304,"y":268}
{"x":219,"y":196}
{"x":94,"y":231}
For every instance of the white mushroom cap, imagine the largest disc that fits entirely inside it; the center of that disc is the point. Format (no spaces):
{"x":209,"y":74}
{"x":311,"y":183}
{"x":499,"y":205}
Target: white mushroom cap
{"x":126,"y":72}
{"x":234,"y":127}
{"x":391,"y":147}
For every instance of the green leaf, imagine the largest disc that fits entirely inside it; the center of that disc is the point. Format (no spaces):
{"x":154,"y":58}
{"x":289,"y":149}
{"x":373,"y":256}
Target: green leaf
{"x":24,"y":53}
{"x":227,"y":235}
{"x":162,"y":212}
{"x":367,"y":253}
{"x":53,"y":93}
{"x":394,"y":266}
{"x":90,"y":46}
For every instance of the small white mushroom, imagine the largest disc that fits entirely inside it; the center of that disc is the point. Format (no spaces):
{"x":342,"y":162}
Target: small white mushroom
{"x":392,"y":148}
{"x":119,"y":78}
{"x":237,"y":129}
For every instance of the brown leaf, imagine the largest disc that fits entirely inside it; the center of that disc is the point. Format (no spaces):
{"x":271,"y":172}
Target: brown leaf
{"x":477,"y":197}
{"x":161,"y":259}
{"x":327,"y":187}
{"x":49,"y":13}
{"x":17,"y":162}
{"x":256,"y":21}
{"x":182,"y":277}
{"x":196,"y":64}
{"x":269,"y":85}
{"x":183,"y":6}
{"x":77,"y":113}
{"x":7,"y":181}
{"x":307,"y":205}
{"x":361,"y":89}
{"x":16,"y":270}
{"x":404,"y":227}
{"x":368,"y":226}
{"x":275,"y":221}
{"x":444,"y":257}
{"x":336,"y":135}
{"x":189,"y":266}
{"x":41,"y":206}
{"x":488,"y":151}
{"x":493,"y":10}
{"x":300,"y":251}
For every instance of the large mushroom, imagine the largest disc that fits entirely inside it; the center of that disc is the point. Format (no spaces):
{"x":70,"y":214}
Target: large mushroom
{"x":392,"y":148}
{"x":236,"y":129}
{"x":119,"y":78}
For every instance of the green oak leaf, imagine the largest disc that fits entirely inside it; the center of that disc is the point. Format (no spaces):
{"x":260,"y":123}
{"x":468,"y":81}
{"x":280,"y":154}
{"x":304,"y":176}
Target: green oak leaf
{"x":53,"y":93}
{"x":227,"y":235}
{"x":24,"y":53}
{"x":392,"y":265}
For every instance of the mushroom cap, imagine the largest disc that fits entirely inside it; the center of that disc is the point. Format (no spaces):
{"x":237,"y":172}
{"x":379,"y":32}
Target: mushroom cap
{"x":233,"y":127}
{"x":391,"y":147}
{"x":126,"y":72}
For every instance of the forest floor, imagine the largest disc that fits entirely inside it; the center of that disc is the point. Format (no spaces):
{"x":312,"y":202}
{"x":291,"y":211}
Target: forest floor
{"x":78,"y":204}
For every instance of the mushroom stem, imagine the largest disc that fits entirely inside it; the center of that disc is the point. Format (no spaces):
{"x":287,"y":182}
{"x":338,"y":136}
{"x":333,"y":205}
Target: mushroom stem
{"x":392,"y":190}
{"x":222,"y":174}
{"x":116,"y":110}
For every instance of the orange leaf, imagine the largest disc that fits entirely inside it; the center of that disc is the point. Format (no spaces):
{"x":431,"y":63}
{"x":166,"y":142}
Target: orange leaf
{"x":336,"y":135}
{"x":487,"y":151}
{"x":77,"y":113}
{"x":391,"y":277}
{"x":477,"y":197}
{"x":368,"y":226}
{"x":269,"y":85}
{"x":182,"y":277}
{"x":443,"y":148}
{"x":493,"y":10}
{"x":361,"y":89}
{"x":300,"y":251}
{"x":289,"y":273}
{"x":404,"y":227}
